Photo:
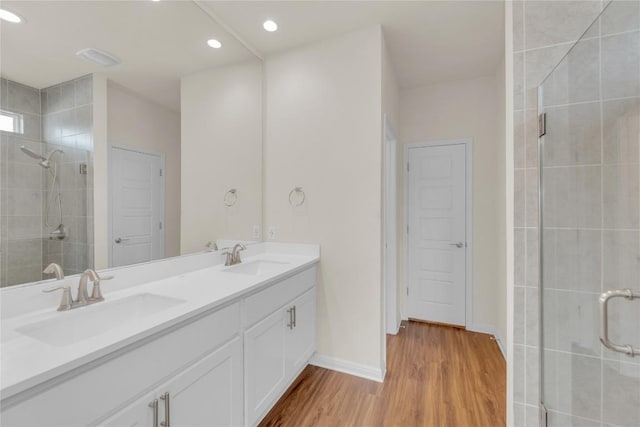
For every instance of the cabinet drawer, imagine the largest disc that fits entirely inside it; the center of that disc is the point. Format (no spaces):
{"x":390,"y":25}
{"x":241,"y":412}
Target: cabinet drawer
{"x":260,"y":305}
{"x":106,"y":385}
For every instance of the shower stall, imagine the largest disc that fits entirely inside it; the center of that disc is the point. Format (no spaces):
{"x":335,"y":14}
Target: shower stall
{"x":589,"y":222}
{"x":46,"y":191}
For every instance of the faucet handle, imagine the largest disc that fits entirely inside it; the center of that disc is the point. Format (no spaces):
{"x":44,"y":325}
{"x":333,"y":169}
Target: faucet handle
{"x":66,"y":301}
{"x":96,"y":293}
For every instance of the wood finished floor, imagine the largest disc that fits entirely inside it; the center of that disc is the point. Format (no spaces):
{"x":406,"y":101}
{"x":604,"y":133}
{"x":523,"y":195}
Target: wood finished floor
{"x":436,"y":376}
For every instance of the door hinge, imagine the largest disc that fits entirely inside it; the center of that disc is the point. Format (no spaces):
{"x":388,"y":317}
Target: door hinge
{"x":542,"y":124}
{"x":160,"y":172}
{"x":160,"y":225}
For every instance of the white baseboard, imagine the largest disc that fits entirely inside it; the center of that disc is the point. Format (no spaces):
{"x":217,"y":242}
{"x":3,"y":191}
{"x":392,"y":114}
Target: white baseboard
{"x":347,"y":367}
{"x":397,"y":329}
{"x":490,"y":330}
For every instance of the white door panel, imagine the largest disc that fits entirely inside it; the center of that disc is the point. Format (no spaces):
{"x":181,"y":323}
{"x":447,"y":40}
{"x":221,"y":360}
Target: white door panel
{"x":137,"y":210}
{"x":437,"y":221}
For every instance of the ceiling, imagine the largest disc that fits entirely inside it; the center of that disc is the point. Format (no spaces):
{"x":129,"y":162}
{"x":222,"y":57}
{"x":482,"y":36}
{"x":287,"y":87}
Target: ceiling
{"x":428,"y":41}
{"x":158,"y":42}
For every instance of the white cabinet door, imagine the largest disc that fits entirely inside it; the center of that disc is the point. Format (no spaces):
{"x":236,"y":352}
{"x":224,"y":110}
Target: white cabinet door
{"x":265,"y":361}
{"x":138,"y":414}
{"x":209,"y":393}
{"x":301,"y":340}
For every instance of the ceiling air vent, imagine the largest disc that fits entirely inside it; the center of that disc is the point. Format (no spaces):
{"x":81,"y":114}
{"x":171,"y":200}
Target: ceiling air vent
{"x":98,"y":56}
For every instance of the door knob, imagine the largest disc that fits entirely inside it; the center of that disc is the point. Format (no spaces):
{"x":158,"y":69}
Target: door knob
{"x":120,"y":240}
{"x":457,"y":245}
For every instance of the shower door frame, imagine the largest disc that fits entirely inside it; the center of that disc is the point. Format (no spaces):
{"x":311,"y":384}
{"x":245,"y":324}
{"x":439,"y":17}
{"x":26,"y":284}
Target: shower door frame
{"x":542,"y":120}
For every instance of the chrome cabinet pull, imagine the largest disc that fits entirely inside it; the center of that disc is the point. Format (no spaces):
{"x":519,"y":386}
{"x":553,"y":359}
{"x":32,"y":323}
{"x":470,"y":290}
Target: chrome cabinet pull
{"x":290,"y":324}
{"x":294,"y":316}
{"x":167,"y":410}
{"x":154,"y":406}
{"x":604,"y":321}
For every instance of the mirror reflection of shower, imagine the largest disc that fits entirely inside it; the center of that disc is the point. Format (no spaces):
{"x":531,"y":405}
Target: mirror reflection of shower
{"x":54,"y":192}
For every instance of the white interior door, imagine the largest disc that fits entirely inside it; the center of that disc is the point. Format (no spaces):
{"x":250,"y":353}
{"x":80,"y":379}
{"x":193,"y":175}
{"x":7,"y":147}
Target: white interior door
{"x":437,"y":235}
{"x":137,"y":207}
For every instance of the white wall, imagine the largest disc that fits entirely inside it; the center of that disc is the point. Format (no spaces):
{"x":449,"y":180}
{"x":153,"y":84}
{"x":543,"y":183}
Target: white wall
{"x":221,"y":149}
{"x":501,"y":189}
{"x":100,"y":173}
{"x":134,"y":121}
{"x":460,"y":109}
{"x":390,"y":89}
{"x":323,"y":133}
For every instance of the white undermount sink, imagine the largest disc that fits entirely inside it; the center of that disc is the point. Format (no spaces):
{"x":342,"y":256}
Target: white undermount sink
{"x":69,"y":327}
{"x":256,"y":268}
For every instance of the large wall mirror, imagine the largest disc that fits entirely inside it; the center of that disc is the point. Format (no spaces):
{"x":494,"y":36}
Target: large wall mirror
{"x":130,"y":131}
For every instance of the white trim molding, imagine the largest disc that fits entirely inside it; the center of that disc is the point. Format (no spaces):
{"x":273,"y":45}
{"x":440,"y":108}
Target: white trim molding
{"x":347,"y":367}
{"x":390,"y":235}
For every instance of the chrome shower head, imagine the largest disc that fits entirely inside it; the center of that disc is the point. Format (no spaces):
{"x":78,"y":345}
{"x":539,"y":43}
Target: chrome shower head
{"x":32,"y":154}
{"x":43,"y":161}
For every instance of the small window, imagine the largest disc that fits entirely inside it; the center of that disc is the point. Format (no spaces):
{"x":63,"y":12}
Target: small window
{"x":11,"y":122}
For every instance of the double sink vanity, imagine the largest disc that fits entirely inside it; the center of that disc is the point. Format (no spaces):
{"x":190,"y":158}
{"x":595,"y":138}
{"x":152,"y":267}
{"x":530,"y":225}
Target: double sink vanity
{"x":185,"y":341}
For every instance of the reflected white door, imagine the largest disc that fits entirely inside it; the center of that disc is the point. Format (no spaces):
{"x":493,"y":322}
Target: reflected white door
{"x":137,"y":207}
{"x":437,"y":233}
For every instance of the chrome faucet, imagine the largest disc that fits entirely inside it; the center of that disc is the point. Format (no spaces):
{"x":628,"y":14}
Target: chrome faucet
{"x":82,"y":298}
{"x":233,"y":257}
{"x":54,"y":268}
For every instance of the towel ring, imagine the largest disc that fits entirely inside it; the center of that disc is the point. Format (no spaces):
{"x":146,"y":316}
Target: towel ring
{"x":296,"y":201}
{"x":231,"y":197}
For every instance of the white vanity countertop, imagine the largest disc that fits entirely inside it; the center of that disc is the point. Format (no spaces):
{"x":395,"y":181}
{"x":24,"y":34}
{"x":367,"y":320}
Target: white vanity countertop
{"x":27,"y":361}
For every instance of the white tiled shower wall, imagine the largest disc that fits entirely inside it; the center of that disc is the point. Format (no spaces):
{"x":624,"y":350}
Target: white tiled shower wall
{"x":543,"y":33}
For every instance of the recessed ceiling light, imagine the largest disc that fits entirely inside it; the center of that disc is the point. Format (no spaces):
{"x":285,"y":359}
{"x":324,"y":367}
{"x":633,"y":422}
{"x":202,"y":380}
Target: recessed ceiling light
{"x":214,"y":43}
{"x":270,"y":26}
{"x":5,"y":15}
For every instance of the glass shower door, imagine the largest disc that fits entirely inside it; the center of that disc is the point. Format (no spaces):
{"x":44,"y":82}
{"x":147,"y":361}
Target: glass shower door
{"x":590,"y":227}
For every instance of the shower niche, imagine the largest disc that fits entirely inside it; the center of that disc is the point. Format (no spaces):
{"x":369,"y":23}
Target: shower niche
{"x":46,"y":179}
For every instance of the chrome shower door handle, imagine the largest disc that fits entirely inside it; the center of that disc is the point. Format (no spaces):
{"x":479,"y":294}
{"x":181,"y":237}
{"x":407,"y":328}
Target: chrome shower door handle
{"x":457,"y":245}
{"x":604,"y":321}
